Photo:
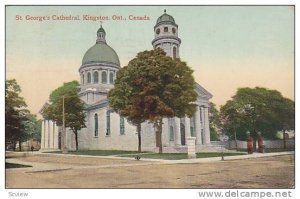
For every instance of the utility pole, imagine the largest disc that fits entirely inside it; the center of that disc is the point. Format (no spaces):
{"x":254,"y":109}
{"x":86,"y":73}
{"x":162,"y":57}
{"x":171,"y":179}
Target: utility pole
{"x":64,"y":147}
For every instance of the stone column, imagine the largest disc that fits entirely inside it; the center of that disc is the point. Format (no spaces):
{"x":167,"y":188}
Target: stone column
{"x":198,"y":126}
{"x":165,"y":132}
{"x":50,"y":134}
{"x":108,"y":77}
{"x":206,"y":126}
{"x":92,"y":76}
{"x":53,"y":136}
{"x":46,"y":134}
{"x":43,"y":135}
{"x":177,"y":131}
{"x":190,"y":142}
{"x":202,"y":124}
{"x":187,"y":124}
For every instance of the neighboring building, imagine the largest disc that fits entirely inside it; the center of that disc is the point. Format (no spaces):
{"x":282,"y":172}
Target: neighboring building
{"x":106,"y":129}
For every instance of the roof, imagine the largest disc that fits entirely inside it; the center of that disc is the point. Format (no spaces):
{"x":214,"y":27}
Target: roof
{"x":101,"y":52}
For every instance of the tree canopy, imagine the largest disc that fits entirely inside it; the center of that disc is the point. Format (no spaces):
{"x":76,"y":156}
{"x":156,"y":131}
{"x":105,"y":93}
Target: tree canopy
{"x":73,"y":107}
{"x":154,"y":86}
{"x":258,"y":110}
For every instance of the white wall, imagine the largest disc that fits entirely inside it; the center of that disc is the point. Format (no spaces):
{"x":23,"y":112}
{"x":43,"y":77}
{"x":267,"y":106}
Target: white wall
{"x":127,"y":141}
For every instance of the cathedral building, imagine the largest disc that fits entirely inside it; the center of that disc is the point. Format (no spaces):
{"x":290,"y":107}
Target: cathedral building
{"x":105,"y":129}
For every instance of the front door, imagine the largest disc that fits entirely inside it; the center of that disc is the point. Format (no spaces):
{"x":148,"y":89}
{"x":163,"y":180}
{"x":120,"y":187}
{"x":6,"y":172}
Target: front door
{"x":59,"y":140}
{"x":182,"y":132}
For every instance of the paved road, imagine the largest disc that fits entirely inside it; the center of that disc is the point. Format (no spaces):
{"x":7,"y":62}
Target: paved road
{"x":53,"y":171}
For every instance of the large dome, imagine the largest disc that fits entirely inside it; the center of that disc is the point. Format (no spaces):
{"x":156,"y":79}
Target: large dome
{"x":100,"y":52}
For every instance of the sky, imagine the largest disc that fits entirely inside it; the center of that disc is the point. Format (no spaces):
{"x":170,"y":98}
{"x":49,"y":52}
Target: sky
{"x":228,"y":47}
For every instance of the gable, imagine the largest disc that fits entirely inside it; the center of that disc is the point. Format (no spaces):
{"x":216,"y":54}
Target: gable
{"x":202,"y":92}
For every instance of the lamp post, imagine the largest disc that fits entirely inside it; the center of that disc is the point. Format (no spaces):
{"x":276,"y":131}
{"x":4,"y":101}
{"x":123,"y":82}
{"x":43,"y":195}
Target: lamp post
{"x":64,"y":145}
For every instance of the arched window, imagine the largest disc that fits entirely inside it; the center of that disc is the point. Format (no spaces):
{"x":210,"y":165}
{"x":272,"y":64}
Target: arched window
{"x":166,"y":29}
{"x":96,"y":125}
{"x":173,"y":30}
{"x":89,"y":78}
{"x":82,"y":78}
{"x":122,"y":126}
{"x":171,"y":132}
{"x":96,"y":77}
{"x":108,"y":122}
{"x":104,"y":77}
{"x":111,"y":78}
{"x":174,"y":52}
{"x":157,"y":31}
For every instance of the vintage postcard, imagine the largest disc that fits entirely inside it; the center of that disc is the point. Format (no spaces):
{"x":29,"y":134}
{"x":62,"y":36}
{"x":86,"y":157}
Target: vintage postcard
{"x":193,"y":97}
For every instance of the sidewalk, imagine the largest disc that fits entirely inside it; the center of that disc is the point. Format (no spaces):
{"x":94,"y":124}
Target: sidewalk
{"x":185,"y":161}
{"x":226,"y":158}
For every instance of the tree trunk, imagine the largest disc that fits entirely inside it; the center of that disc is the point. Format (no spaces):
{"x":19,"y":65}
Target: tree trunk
{"x":139,"y":138}
{"x":14,"y":146}
{"x":76,"y":139}
{"x":20,"y":146}
{"x":156,"y":135}
{"x":284,"y":140}
{"x":159,"y":136}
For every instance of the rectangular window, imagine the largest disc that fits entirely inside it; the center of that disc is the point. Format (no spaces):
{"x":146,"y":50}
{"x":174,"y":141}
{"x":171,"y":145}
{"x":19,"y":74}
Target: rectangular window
{"x":122,"y":125}
{"x":165,"y":29}
{"x":192,"y":131}
{"x":171,"y":132}
{"x":108,"y":122}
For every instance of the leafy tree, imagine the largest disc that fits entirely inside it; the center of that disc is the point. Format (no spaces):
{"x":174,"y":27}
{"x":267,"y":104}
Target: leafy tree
{"x":73,"y":108}
{"x":231,"y":120}
{"x":157,"y":86}
{"x":15,"y":114}
{"x":214,"y":121}
{"x":124,"y":99}
{"x":258,"y":110}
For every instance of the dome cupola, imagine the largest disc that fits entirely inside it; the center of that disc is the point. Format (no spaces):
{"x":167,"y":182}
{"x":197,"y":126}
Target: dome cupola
{"x":166,"y":19}
{"x":101,"y":35}
{"x":101,"y":52}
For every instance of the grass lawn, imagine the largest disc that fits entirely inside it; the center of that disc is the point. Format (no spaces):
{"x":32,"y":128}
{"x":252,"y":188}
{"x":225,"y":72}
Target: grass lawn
{"x":145,"y":154}
{"x":278,"y":150}
{"x":179,"y":156}
{"x":12,"y":165}
{"x":98,"y":152}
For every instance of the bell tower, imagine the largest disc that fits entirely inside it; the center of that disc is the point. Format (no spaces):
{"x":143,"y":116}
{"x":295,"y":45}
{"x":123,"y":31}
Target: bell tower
{"x":166,"y":35}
